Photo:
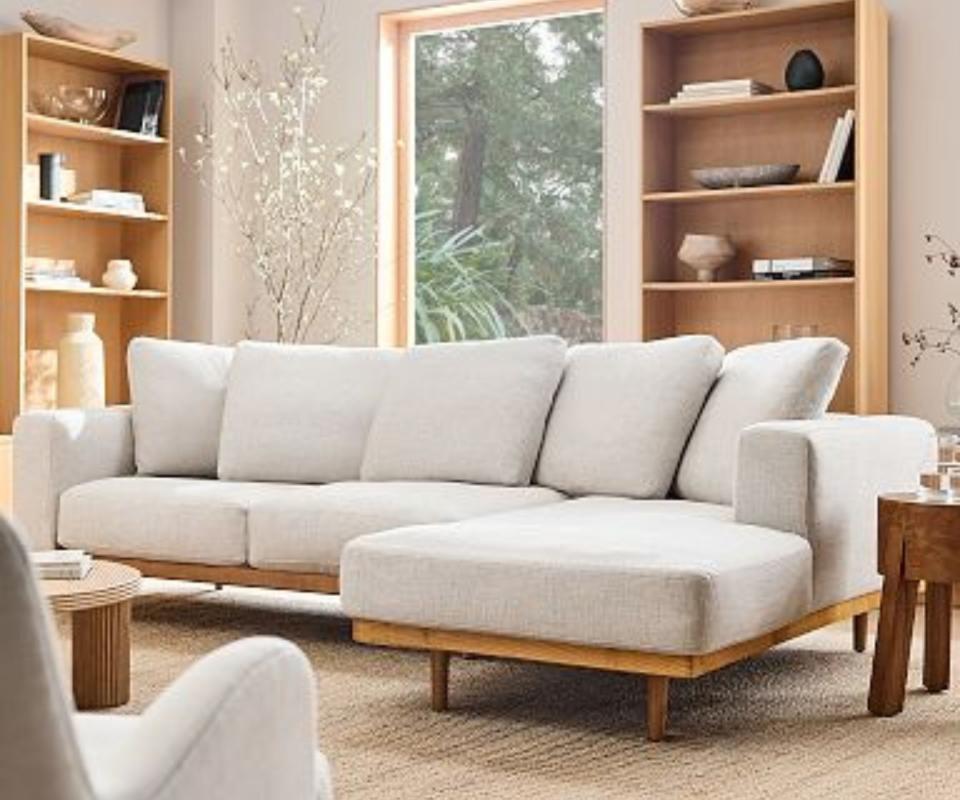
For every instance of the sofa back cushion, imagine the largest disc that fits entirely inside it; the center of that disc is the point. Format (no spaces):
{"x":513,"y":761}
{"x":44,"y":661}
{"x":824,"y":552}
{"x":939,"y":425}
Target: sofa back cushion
{"x":623,"y":415}
{"x":301,"y":413}
{"x":177,"y":391}
{"x":793,"y":379}
{"x":472,"y":411}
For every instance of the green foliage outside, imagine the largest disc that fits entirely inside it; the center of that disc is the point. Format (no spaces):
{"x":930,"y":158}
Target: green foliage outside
{"x":509,"y":180}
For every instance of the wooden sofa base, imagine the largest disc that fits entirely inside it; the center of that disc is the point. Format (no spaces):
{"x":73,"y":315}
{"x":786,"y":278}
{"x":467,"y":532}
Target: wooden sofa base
{"x":235,"y":576}
{"x":658,"y":668}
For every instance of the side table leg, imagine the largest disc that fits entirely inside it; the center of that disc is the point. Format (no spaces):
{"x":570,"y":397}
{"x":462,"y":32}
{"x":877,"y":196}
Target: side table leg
{"x":101,"y":656}
{"x":892,"y":652}
{"x":936,"y":650}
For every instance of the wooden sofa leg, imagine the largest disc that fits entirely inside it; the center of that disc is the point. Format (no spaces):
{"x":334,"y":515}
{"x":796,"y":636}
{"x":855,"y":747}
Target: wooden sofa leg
{"x":657,"y":701}
{"x":860,"y":632}
{"x":439,"y":680}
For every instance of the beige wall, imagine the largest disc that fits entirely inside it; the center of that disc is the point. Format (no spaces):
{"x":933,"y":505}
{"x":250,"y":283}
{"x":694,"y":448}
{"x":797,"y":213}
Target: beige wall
{"x":211,"y":284}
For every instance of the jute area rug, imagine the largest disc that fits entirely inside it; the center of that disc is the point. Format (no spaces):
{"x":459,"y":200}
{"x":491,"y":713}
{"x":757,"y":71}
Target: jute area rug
{"x":790,"y":724}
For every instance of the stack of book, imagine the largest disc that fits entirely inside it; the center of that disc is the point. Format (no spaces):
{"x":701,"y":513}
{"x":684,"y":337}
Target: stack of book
{"x":61,"y":564}
{"x":108,"y":198}
{"x":61,"y":273}
{"x":774,"y":269}
{"x":839,"y":160}
{"x":720,"y":90}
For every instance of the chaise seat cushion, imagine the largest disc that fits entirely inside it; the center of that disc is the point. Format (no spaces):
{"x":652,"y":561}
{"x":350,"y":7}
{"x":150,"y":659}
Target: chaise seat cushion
{"x":268,"y":525}
{"x":605,"y":572}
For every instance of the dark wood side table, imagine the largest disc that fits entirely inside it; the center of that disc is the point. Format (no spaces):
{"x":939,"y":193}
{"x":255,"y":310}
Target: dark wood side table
{"x":919,"y":540}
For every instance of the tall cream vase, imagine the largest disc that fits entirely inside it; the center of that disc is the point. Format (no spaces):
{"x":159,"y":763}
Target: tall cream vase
{"x":80,"y":371}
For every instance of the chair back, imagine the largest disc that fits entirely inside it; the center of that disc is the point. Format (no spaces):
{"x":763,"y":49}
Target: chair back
{"x":39,"y":755}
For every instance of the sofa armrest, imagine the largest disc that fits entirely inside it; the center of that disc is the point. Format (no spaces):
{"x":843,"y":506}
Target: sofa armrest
{"x":820,"y":479}
{"x":54,"y":450}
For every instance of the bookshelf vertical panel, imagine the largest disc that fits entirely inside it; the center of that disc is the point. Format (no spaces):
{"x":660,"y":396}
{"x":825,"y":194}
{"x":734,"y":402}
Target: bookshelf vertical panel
{"x":872,"y":212}
{"x":12,"y":227}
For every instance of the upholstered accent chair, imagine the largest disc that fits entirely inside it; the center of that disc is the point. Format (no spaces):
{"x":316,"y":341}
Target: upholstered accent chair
{"x":239,"y":724}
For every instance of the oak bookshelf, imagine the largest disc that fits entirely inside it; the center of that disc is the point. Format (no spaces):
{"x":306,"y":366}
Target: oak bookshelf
{"x":805,"y":218}
{"x":32,"y":317}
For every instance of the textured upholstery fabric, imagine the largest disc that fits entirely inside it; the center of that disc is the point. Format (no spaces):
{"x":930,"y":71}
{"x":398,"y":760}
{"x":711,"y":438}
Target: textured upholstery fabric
{"x":39,"y":755}
{"x":307,"y":528}
{"x":177,"y":391}
{"x":793,"y":379}
{"x":593,"y":571}
{"x":269,"y":525}
{"x":240,"y":724}
{"x":172,"y":519}
{"x":820,"y":479}
{"x":54,"y":450}
{"x":300,"y":413}
{"x":472,"y":411}
{"x":623,"y":415}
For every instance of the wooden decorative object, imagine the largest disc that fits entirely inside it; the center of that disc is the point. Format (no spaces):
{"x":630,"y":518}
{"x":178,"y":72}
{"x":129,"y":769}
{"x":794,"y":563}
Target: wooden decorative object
{"x":847,"y":220}
{"x":658,"y":667}
{"x":32,"y":317}
{"x":919,"y":540}
{"x":100,"y":608}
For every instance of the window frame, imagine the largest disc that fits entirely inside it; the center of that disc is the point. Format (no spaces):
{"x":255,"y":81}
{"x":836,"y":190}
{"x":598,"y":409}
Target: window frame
{"x":395,"y":284}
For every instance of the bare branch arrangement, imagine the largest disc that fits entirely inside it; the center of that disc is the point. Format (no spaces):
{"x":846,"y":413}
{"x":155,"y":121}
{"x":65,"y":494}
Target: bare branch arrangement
{"x":297,"y":203}
{"x":944,"y":340}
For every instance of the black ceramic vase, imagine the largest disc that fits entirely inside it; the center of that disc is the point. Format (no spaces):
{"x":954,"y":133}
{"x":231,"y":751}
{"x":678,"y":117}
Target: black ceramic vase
{"x":804,"y":72}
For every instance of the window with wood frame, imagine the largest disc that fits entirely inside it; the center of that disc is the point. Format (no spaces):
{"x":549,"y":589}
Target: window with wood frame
{"x":491,"y":138}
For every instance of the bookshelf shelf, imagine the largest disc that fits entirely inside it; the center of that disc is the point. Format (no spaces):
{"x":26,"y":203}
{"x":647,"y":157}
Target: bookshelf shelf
{"x":35,"y":315}
{"x":39,"y":123}
{"x":766,"y":103}
{"x":846,"y":220}
{"x":747,"y":285}
{"x":97,"y":291}
{"x":749,"y":192}
{"x":63,"y":209}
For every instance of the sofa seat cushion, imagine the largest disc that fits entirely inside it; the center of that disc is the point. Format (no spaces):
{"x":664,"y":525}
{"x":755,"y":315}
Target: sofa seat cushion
{"x":596,"y":571}
{"x":268,"y":525}
{"x":305,"y":530}
{"x":167,"y":519}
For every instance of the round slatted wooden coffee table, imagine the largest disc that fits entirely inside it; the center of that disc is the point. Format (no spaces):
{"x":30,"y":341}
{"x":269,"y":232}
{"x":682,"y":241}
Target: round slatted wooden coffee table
{"x":99,"y":606}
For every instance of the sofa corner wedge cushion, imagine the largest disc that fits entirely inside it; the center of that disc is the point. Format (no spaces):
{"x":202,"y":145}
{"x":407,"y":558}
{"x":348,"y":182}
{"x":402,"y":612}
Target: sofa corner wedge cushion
{"x":623,"y":414}
{"x":470,"y":411}
{"x":667,"y":583}
{"x":300,"y":414}
{"x":821,"y":479}
{"x":793,"y":379}
{"x":177,"y":391}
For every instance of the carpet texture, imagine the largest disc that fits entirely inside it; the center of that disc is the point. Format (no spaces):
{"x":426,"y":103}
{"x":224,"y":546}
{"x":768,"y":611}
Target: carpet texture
{"x":790,"y":724}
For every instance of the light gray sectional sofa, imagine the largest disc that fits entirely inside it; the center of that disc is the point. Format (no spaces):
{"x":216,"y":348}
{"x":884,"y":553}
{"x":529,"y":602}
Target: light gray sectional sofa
{"x":659,"y":508}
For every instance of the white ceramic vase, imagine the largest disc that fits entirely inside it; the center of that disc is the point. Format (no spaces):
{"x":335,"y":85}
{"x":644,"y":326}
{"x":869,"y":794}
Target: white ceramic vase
{"x":80,"y":372}
{"x":120,"y":275}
